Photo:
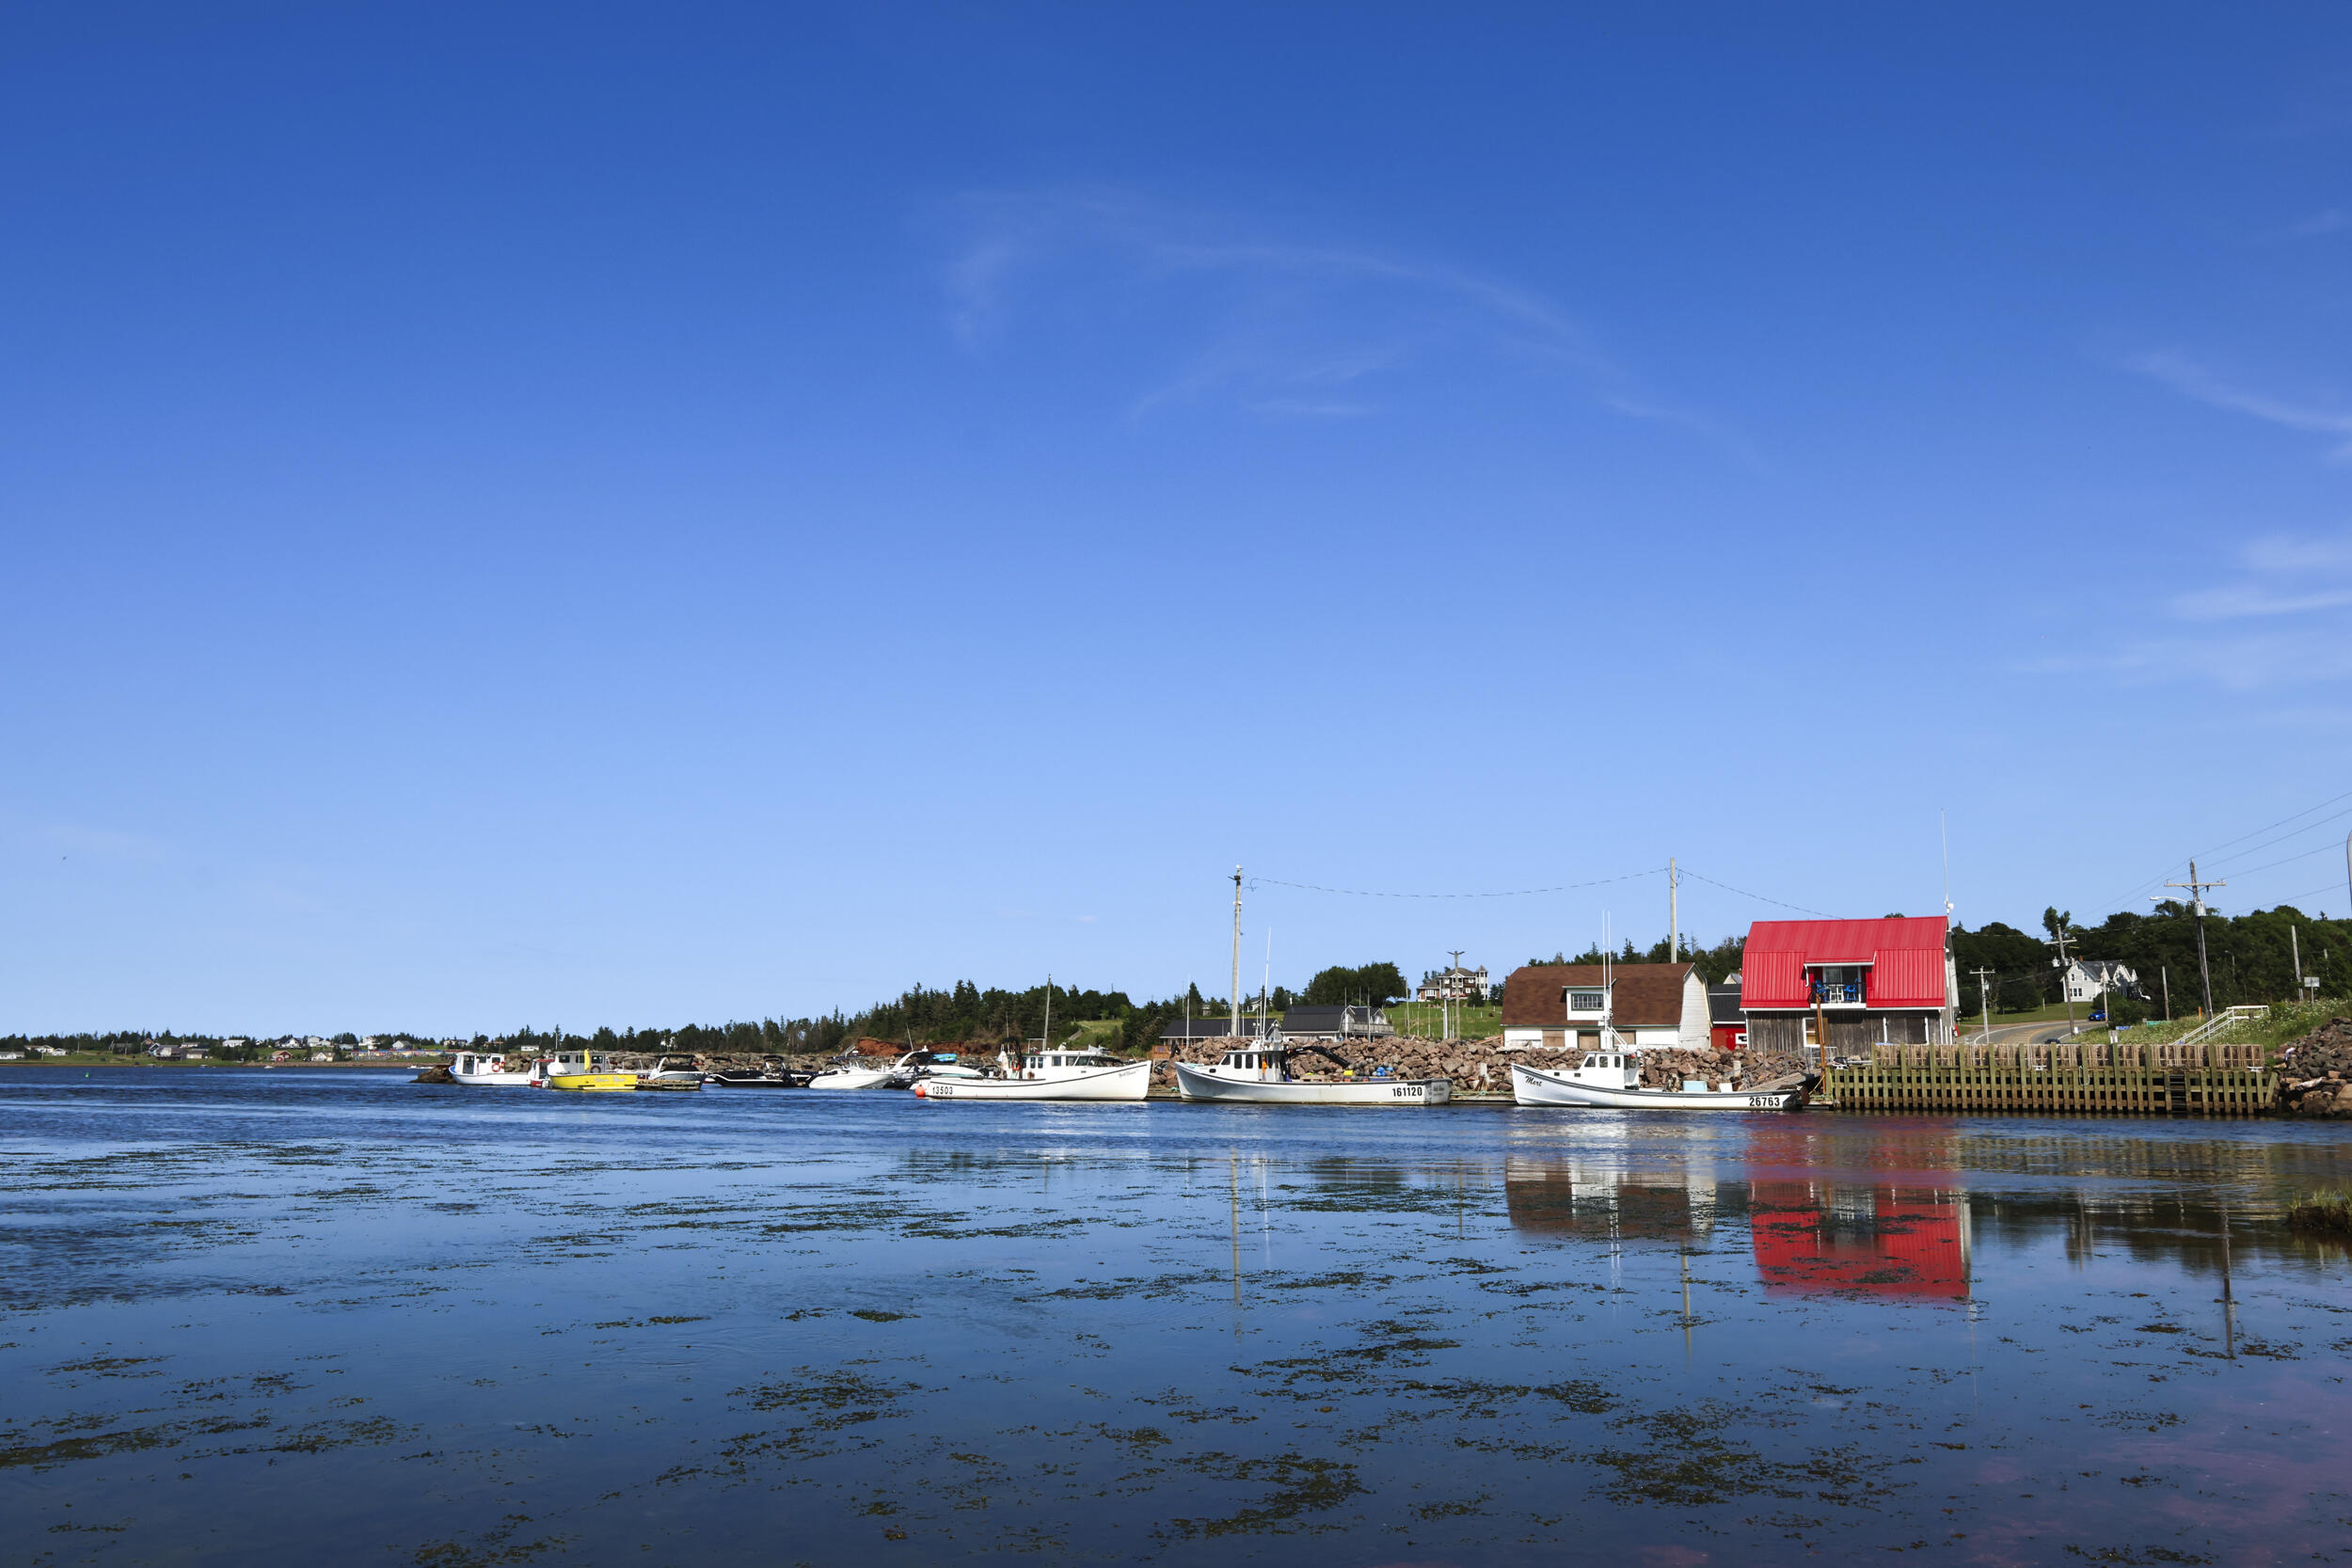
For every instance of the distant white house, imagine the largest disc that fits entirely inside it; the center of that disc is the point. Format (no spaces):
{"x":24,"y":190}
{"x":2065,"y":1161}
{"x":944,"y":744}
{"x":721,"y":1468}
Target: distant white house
{"x":2086,"y":979}
{"x":49,"y":1050}
{"x":1456,"y":985}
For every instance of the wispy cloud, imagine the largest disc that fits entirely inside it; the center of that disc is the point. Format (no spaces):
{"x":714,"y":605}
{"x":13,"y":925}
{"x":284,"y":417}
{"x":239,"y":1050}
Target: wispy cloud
{"x":2191,"y":379}
{"x":1279,"y":327}
{"x":2288,"y":595}
{"x":2240,"y":600}
{"x":2281,"y":574}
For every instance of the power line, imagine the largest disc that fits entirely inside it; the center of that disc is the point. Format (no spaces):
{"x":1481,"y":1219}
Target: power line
{"x":2295,"y":832}
{"x":2207,"y":854}
{"x":1757,"y":896}
{"x":1511,"y":893}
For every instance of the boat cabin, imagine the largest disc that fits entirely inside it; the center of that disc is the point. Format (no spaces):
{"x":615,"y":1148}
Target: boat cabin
{"x":1071,"y":1057}
{"x":1262,"y":1063}
{"x":1608,"y":1069}
{"x":470,"y":1061}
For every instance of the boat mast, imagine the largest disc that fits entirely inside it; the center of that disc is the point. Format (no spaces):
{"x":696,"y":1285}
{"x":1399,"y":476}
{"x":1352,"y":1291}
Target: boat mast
{"x":1048,"y":1038}
{"x":1235,"y":993}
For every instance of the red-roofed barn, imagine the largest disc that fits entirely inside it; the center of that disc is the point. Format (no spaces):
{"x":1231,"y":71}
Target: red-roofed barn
{"x":1862,"y":981}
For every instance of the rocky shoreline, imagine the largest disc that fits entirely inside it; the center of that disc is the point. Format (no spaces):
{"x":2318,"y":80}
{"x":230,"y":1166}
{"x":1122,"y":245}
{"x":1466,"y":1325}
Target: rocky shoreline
{"x":2313,"y":1081}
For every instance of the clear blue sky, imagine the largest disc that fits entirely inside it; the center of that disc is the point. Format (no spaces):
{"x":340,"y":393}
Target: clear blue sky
{"x":620,"y":515}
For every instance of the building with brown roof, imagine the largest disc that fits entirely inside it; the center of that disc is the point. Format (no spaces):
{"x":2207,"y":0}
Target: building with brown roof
{"x":1561,"y":1006}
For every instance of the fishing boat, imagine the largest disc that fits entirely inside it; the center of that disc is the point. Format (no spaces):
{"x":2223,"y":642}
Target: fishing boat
{"x":1609,"y":1079}
{"x":484,"y":1069}
{"x":773,"y":1074}
{"x":579,"y":1074}
{"x":1068,"y":1074}
{"x":1259,"y":1073}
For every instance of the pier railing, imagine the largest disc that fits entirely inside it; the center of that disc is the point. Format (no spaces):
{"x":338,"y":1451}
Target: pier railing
{"x":2206,"y":1077}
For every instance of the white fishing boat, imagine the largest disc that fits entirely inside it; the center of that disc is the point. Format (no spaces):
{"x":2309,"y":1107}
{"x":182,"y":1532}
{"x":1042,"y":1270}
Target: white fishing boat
{"x":1061,"y":1073}
{"x":1259,"y":1074}
{"x":1609,"y":1079}
{"x":485,"y":1069}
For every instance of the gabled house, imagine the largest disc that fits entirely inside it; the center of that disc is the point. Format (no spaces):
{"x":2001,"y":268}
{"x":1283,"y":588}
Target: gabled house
{"x":1214,"y":1026}
{"x":1456,"y":985}
{"x":1561,"y":1006}
{"x":1315,"y":1022}
{"x":2087,"y":978}
{"x":1859,"y":982}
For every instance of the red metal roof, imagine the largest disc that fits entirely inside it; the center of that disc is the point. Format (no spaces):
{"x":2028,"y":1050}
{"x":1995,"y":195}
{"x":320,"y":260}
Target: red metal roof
{"x":1905,"y":955}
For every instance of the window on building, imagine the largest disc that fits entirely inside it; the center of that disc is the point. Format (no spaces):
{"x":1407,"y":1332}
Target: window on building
{"x":1586,"y":1001}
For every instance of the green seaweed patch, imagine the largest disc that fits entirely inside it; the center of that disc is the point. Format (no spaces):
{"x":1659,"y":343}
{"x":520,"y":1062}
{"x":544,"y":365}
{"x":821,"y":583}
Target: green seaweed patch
{"x":496,"y":1546}
{"x":42,"y":1457}
{"x":1301,"y":1487}
{"x":876,"y":1315}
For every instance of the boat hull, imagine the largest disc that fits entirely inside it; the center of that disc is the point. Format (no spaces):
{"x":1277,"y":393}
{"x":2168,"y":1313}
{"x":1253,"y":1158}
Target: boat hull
{"x":1534,"y":1086}
{"x":1132,"y":1081}
{"x":1193,"y":1083}
{"x":496,"y":1079}
{"x":852,"y":1078}
{"x":594,"y":1083}
{"x":720,"y":1080}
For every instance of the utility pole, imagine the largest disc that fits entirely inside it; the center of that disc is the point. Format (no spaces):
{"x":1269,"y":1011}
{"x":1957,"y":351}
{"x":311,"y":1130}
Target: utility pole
{"x":1236,"y":990}
{"x":1445,"y":992}
{"x":2057,"y":940}
{"x":2197,"y":902}
{"x":1673,"y":913}
{"x":2165,"y":973}
{"x":2295,"y":947}
{"x":1984,"y":998}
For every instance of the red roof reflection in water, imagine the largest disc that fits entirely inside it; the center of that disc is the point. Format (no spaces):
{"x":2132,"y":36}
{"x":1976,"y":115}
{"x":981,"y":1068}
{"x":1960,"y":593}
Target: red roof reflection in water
{"x":1900,"y":1243}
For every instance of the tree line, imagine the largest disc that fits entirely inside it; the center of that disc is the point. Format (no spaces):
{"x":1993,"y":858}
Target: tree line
{"x":2251,"y":956}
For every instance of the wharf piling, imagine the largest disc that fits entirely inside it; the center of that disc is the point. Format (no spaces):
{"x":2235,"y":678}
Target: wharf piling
{"x":2075,"y":1078}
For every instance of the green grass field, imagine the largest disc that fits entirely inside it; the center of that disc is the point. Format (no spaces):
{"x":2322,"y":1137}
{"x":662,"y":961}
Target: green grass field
{"x":1421,"y":1020}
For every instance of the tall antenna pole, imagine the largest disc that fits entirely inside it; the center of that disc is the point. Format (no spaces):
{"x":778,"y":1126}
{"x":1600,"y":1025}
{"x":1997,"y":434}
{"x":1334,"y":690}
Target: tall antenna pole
{"x":2197,"y":902}
{"x":1236,"y":994}
{"x":1674,"y":913}
{"x":1944,"y":834}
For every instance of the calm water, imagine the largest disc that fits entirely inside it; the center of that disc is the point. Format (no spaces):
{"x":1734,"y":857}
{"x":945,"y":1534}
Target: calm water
{"x":338,"y":1317}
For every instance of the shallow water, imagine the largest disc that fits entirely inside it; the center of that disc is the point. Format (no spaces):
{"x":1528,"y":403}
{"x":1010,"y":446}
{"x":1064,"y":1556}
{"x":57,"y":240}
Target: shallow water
{"x":334,"y":1316}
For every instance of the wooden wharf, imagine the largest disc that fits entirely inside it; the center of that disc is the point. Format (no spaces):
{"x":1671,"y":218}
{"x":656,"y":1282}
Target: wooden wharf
{"x":2071,"y":1078}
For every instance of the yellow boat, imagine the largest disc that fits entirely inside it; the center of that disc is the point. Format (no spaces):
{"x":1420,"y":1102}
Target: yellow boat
{"x":579,"y":1073}
{"x":594,"y":1083}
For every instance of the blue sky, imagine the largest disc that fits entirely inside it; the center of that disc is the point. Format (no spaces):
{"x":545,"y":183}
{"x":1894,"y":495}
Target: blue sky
{"x":617,"y":514}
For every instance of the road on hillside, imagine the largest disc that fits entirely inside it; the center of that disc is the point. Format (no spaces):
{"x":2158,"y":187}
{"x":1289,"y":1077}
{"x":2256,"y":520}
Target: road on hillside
{"x":2043,"y":1033}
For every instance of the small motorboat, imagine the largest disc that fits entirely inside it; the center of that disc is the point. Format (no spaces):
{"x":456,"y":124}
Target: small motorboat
{"x":1612,"y":1081}
{"x":773,"y":1074}
{"x":918,"y":1067}
{"x":845,"y":1074}
{"x":671,"y":1073}
{"x":1258,"y":1073}
{"x":484,"y":1069}
{"x":1055,"y":1073}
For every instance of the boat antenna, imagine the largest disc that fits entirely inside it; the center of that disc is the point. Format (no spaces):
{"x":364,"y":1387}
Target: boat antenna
{"x":1047,"y":1037}
{"x":1236,"y":994}
{"x":1266,"y":989}
{"x":1944,"y":835}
